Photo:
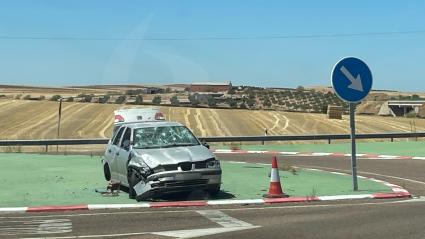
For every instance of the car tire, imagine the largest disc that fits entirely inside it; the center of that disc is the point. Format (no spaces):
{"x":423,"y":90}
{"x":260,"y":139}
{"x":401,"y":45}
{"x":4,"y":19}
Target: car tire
{"x":132,"y":181}
{"x":107,"y":172}
{"x":214,"y":191}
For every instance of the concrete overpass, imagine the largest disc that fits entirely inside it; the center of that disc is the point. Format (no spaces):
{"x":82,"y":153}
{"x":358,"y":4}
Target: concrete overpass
{"x":401,"y":107}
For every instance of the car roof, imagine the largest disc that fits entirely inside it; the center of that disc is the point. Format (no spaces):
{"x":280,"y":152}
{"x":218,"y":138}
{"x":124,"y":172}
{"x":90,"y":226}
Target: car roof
{"x":146,"y":124}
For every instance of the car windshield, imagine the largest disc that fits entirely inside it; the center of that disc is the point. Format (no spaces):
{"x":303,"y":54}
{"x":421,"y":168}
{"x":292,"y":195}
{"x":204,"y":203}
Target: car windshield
{"x":163,"y":137}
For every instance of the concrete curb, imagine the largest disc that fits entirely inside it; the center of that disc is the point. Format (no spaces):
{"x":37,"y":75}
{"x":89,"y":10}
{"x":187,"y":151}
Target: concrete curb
{"x":397,"y":192}
{"x":319,"y":154}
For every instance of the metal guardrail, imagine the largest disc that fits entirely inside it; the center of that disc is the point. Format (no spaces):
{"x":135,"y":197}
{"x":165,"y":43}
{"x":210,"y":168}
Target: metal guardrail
{"x":328,"y":137}
{"x":47,"y":142}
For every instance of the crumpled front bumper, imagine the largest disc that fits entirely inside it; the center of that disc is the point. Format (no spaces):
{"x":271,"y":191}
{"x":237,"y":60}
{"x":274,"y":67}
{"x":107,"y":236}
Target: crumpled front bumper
{"x":168,"y":182}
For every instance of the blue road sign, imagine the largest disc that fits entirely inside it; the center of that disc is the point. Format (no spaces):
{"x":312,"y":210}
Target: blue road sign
{"x":351,"y":79}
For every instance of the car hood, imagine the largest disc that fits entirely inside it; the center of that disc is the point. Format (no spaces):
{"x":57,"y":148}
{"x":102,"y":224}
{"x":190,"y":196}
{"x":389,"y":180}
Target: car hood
{"x":175,"y":155}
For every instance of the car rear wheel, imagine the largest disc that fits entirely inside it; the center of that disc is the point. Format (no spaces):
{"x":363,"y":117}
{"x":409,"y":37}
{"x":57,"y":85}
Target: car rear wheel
{"x":107,"y":172}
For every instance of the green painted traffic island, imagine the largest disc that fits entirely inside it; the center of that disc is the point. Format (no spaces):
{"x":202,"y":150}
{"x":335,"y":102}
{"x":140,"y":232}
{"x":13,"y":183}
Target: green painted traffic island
{"x":37,"y":180}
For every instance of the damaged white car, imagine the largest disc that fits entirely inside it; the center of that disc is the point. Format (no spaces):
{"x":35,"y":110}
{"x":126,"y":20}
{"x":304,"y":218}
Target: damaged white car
{"x":153,"y":157}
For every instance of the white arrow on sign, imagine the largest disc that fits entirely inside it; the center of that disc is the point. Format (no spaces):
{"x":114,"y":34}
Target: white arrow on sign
{"x":356,"y":83}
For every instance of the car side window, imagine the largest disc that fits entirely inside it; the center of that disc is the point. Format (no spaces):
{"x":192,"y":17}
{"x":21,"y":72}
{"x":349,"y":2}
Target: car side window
{"x":118,"y":136}
{"x":125,"y":142}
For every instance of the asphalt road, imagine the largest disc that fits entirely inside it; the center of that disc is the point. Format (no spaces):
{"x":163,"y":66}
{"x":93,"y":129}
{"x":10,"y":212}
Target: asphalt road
{"x":335,"y":219}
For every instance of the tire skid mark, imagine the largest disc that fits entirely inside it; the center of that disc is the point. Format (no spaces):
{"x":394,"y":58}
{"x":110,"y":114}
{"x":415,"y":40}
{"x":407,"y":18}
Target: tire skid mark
{"x":276,"y":123}
{"x":168,"y":116}
{"x":223,"y":127}
{"x":81,"y":130}
{"x":99,"y":128}
{"x":199,"y":123}
{"x":186,"y":119}
{"x":331,"y":124}
{"x":67,"y":116}
{"x":283,"y":129}
{"x":40,"y":125}
{"x":224,"y":124}
{"x":25,"y":121}
{"x":258,"y":122}
{"x":207,"y":122}
{"x":108,"y":124}
{"x":270,"y":120}
{"x":398,"y":126}
{"x":295,"y":127}
{"x":65,"y":109}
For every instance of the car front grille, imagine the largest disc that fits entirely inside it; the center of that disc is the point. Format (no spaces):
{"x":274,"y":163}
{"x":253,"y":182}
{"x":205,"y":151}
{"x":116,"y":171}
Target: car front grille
{"x":186,"y":166}
{"x":194,"y":182}
{"x":170,"y":167}
{"x":202,"y":164}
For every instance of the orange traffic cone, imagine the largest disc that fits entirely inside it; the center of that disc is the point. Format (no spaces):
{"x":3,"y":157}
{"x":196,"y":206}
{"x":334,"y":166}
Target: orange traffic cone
{"x":275,"y":189}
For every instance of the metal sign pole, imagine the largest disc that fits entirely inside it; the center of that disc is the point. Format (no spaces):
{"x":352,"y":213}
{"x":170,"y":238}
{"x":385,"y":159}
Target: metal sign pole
{"x":352,"y":81}
{"x":59,"y":122}
{"x":353,"y":145}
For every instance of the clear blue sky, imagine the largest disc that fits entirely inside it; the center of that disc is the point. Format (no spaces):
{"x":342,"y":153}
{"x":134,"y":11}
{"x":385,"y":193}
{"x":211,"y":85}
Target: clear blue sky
{"x":100,"y":51}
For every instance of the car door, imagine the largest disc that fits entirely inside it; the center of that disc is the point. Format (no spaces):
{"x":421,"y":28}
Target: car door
{"x":123,"y":155}
{"x":112,"y":152}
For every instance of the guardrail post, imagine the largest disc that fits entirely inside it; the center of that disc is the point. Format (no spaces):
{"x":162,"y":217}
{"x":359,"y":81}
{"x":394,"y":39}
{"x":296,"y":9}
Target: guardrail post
{"x":329,"y":141}
{"x":392,"y":139}
{"x":47,"y":148}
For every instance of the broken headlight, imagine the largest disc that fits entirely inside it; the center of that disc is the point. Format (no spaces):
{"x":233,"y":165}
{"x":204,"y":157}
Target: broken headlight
{"x":213,"y":163}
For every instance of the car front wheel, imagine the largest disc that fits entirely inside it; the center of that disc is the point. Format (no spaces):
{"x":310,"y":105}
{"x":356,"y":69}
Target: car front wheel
{"x":132,"y":181}
{"x":213,"y":191}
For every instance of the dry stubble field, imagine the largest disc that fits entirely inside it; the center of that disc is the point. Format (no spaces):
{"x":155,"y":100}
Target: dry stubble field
{"x":38,"y":120}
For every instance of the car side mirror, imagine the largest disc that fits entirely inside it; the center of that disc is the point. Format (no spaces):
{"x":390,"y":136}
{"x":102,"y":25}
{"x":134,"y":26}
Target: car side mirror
{"x":206,"y":145}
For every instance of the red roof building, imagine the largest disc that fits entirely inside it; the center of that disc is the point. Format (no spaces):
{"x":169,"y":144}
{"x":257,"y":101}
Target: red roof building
{"x":210,"y":86}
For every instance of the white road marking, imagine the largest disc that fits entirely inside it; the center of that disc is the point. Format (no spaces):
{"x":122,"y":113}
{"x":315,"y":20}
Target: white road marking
{"x":200,"y":232}
{"x":228,"y":223}
{"x":257,"y":151}
{"x":357,"y":155}
{"x":388,"y":156}
{"x":50,"y":226}
{"x":14,"y":209}
{"x":237,"y":162}
{"x":377,"y":174}
{"x":224,"y":209}
{"x":117,"y":206}
{"x":223,"y":219}
{"x":233,"y":201}
{"x":341,"y":197}
{"x":419,"y":158}
{"x":92,"y":236}
{"x":321,"y":154}
{"x":288,"y":153}
{"x":338,"y":173}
